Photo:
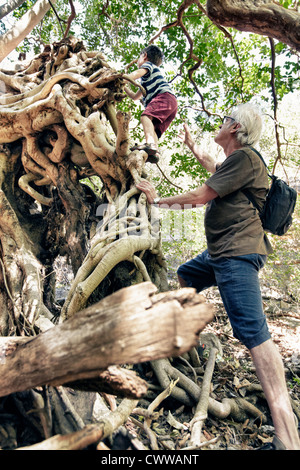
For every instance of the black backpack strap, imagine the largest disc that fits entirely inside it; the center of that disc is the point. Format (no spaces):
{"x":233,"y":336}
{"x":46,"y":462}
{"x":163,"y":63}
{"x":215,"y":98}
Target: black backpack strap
{"x":251,"y":198}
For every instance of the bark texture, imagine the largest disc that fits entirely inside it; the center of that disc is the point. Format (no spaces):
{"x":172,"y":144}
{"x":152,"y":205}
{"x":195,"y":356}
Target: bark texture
{"x":130,"y":326}
{"x":263,"y":17}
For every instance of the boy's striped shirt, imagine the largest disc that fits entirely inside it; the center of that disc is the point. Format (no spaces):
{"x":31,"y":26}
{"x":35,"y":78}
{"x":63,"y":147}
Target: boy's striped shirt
{"x":154,"y":82}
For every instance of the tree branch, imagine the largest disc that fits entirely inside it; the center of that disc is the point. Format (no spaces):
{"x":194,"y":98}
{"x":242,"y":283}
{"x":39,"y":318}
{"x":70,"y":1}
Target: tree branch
{"x":275,"y":101}
{"x":22,"y":28}
{"x":264,"y":17}
{"x":71,"y":18}
{"x":9,"y":6}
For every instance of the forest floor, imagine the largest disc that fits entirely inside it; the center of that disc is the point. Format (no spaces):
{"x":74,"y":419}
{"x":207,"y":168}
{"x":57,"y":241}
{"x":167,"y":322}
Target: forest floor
{"x":233,"y":373}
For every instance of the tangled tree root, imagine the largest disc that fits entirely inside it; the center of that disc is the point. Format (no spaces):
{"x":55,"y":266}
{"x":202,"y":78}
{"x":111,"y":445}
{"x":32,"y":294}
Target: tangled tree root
{"x":188,"y":392}
{"x":127,"y":231}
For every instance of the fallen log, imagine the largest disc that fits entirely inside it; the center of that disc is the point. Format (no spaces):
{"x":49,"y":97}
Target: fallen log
{"x":114,"y":380}
{"x":131,"y":326}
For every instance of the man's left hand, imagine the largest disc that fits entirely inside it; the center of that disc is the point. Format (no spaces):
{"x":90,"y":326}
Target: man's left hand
{"x":148,"y":189}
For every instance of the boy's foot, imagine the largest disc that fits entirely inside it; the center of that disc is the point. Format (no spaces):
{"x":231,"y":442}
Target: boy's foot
{"x":150,"y":149}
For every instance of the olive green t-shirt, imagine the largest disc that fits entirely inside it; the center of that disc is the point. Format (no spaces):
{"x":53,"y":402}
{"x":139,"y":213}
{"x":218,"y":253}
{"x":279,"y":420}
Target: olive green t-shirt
{"x":232,"y":224}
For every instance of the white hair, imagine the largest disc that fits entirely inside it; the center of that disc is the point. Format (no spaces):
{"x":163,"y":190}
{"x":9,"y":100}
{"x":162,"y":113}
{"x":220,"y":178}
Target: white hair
{"x":250,"y":120}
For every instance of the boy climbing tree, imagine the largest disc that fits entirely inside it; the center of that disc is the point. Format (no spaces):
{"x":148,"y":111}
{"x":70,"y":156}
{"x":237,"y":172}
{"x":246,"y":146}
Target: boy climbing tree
{"x":160,"y":101}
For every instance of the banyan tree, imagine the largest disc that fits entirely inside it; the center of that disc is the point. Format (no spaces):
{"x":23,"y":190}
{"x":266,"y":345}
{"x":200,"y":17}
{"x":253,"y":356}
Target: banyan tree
{"x":58,"y":128}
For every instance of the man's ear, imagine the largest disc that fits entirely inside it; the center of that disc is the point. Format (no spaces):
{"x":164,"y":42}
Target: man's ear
{"x":235,"y":127}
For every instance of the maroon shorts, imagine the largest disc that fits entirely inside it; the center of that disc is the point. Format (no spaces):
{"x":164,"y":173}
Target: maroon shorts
{"x":162,"y":108}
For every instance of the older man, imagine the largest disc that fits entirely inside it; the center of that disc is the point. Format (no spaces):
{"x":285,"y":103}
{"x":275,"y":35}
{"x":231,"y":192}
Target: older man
{"x":237,"y":248}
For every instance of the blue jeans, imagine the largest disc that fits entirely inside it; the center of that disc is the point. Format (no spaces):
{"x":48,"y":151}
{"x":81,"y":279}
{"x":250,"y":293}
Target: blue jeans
{"x":238,"y":284}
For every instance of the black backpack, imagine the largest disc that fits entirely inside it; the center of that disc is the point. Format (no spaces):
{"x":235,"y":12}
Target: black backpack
{"x":276,"y":215}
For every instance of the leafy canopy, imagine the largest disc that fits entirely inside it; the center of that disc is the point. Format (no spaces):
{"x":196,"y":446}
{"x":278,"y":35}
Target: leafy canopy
{"x":211,"y":68}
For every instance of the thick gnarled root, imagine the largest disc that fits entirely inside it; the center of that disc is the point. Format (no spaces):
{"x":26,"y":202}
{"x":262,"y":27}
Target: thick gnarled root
{"x":126,"y":233}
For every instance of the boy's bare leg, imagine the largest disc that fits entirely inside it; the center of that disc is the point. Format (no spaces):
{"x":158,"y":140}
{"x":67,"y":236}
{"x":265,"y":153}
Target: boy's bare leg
{"x":270,"y":371}
{"x":149,"y":131}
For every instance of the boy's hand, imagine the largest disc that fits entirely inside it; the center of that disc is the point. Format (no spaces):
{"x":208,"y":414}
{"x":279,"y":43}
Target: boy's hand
{"x":148,"y":189}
